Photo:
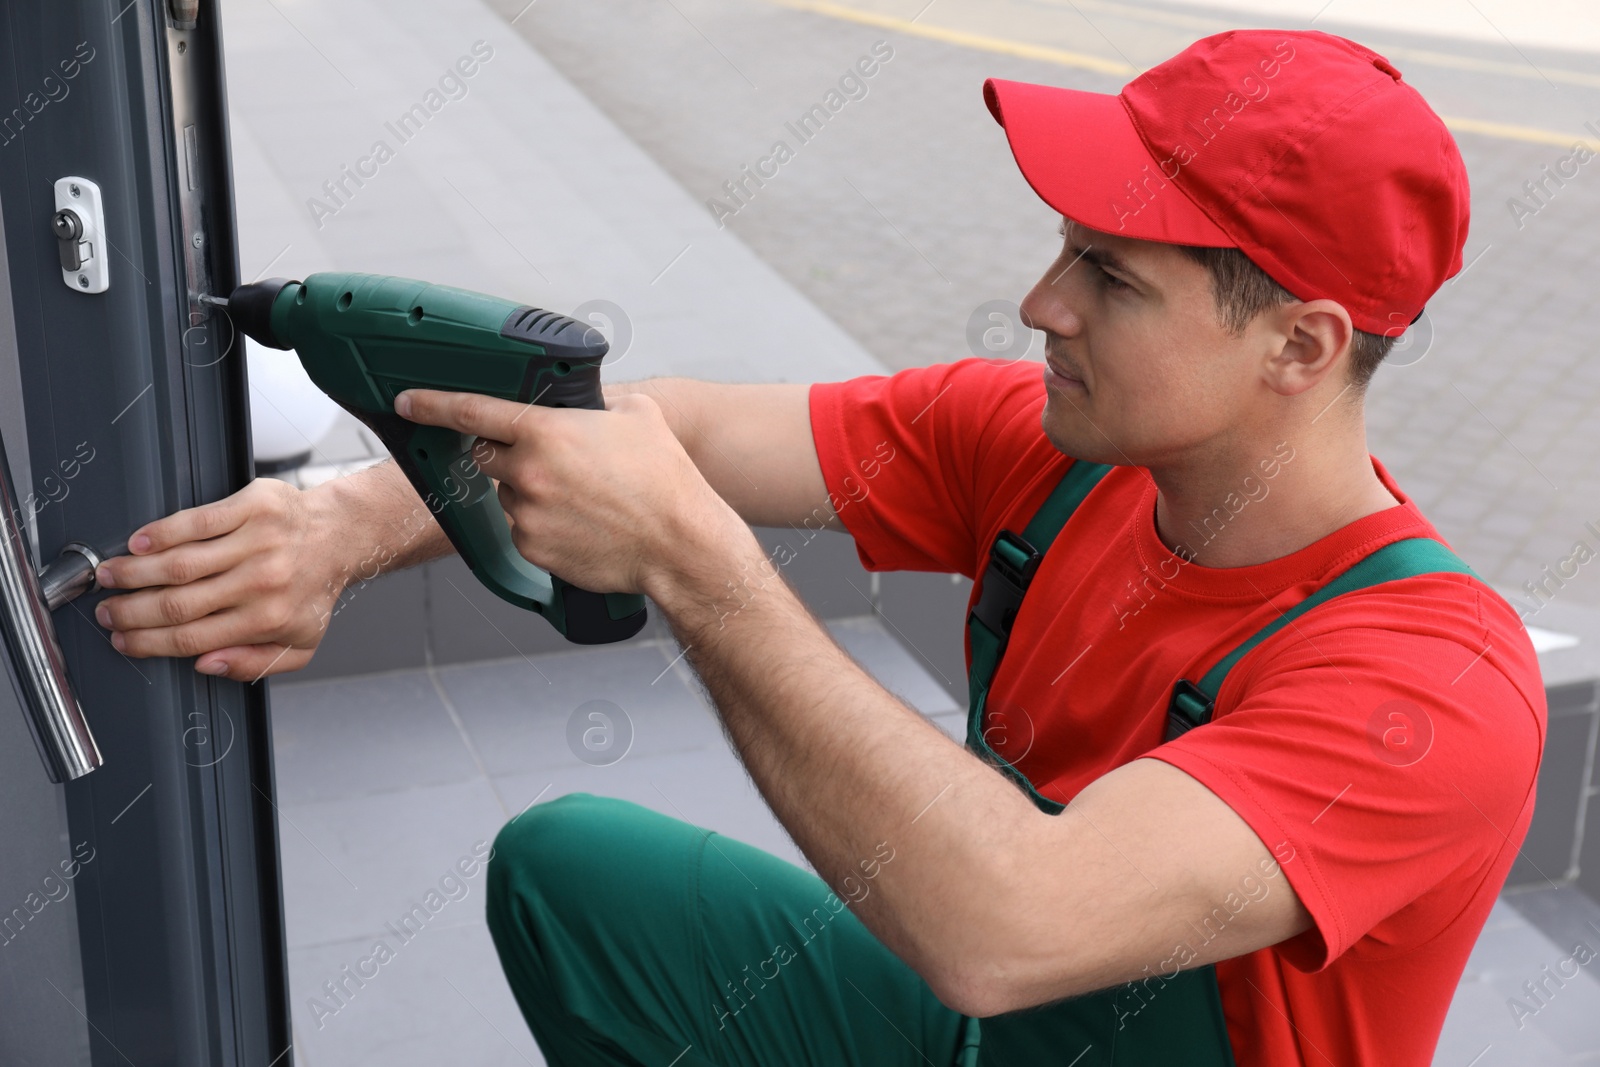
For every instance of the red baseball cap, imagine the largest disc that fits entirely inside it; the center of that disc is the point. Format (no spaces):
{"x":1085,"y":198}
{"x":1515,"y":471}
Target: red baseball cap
{"x":1304,"y":150}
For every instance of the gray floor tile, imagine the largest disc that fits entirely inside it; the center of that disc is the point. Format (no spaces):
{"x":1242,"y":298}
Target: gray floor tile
{"x":351,"y":866}
{"x":350,"y":737}
{"x":1565,"y":915}
{"x":1479,"y":1031}
{"x":1567,"y":1007}
{"x":534,"y":713}
{"x":1510,"y":952}
{"x":1513,"y":951}
{"x":439,"y":999}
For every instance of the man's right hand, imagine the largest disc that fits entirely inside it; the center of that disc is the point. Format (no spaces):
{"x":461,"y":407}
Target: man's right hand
{"x":247,"y":583}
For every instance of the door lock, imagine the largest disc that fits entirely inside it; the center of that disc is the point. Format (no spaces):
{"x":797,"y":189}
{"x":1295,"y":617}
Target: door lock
{"x":79,"y":226}
{"x":69,"y":233}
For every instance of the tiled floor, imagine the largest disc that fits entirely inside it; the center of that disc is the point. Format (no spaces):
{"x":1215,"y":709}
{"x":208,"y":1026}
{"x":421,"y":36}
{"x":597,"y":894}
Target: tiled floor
{"x":1498,"y":1020}
{"x":387,"y":781}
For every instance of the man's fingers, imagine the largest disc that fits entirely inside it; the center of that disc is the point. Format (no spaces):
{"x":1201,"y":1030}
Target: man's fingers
{"x":220,"y":629}
{"x":250,"y":663}
{"x":179,"y":565}
{"x":167,"y":606}
{"x":469,"y":413}
{"x":178,"y":642}
{"x":191,"y":524}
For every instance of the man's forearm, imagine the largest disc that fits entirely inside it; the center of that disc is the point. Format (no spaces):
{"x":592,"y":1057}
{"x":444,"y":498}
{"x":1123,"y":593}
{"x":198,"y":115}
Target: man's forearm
{"x":752,"y":443}
{"x":851,"y":771}
{"x":381,"y":523}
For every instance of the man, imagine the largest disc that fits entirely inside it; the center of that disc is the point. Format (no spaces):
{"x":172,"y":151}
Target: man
{"x":1251,"y":752}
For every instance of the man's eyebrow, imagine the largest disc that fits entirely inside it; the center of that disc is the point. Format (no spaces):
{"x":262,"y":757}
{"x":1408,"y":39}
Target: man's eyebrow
{"x":1104,"y":257}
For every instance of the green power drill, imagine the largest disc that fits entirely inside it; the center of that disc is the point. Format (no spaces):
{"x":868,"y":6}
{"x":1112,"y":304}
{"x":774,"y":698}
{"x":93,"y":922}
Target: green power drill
{"x":365,"y":338}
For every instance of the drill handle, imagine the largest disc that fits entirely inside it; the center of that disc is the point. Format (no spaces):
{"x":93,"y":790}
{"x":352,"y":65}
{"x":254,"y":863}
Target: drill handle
{"x":439,"y":463}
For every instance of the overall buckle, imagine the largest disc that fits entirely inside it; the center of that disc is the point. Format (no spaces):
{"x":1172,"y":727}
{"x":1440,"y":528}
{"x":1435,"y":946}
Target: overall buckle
{"x":1190,"y":707}
{"x":1012,"y":563}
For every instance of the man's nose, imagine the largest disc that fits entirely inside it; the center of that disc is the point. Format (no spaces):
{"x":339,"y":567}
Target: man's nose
{"x":1049,"y":309}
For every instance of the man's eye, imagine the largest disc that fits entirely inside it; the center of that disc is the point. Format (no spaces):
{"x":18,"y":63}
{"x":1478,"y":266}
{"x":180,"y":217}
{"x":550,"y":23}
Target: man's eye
{"x":1111,"y":281}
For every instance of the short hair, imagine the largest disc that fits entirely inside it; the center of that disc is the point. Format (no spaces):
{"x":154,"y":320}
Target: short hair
{"x":1243,"y":290}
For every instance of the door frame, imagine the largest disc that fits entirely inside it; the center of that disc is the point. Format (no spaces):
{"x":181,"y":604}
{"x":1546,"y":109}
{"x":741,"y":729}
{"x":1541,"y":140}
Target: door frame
{"x":180,"y":910}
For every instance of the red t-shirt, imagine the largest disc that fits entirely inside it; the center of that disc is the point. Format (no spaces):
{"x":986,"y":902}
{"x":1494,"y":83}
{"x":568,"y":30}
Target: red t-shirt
{"x":1396,"y":823}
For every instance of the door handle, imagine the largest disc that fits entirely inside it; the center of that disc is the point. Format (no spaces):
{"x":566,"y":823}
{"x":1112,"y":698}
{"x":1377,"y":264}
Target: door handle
{"x":38,"y":669}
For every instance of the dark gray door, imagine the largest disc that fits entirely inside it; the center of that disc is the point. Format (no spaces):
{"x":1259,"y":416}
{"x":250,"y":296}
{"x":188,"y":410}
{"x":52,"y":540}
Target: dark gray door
{"x":122,"y":406}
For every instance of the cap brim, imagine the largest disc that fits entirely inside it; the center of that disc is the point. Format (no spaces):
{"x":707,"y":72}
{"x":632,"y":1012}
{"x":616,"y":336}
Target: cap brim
{"x":1083,"y":156}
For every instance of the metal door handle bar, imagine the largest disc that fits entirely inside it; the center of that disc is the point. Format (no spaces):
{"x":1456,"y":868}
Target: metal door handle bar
{"x":38,"y":669}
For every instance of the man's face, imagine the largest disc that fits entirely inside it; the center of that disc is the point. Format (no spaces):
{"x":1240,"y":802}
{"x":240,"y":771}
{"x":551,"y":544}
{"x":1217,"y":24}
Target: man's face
{"x":1152,"y":375}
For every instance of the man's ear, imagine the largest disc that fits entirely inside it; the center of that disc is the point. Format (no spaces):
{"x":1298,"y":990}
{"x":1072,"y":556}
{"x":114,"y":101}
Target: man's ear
{"x":1316,"y":337}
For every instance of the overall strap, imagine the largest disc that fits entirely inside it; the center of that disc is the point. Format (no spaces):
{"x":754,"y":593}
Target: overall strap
{"x":1192,"y":704}
{"x":1013,"y":560}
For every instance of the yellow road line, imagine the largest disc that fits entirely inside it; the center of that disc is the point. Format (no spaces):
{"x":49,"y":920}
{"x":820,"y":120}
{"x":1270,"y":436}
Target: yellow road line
{"x":1488,"y":66}
{"x":1081,"y":61}
{"x":960,"y":37}
{"x":1427,"y":57}
{"x":1530,"y":134}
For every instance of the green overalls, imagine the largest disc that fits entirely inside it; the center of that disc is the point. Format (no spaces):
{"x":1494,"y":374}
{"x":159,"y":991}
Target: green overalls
{"x":1181,"y":1022}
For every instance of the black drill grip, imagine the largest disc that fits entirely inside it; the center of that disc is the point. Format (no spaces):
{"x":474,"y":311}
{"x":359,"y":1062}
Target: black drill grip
{"x":589,"y":619}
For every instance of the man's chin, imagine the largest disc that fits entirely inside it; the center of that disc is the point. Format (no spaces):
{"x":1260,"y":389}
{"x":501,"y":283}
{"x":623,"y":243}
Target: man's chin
{"x":1074,"y":435}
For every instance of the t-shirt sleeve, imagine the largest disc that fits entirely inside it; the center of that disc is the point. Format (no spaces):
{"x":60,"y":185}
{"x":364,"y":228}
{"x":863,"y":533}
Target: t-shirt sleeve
{"x":910,"y":458}
{"x":1377,"y":764}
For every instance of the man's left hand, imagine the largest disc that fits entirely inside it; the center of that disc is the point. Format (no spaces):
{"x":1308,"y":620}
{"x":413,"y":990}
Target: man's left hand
{"x":608,"y":500}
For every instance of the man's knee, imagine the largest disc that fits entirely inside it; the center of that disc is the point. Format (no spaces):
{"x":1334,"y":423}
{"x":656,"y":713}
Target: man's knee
{"x":540,"y":846}
{"x":579,"y":851}
{"x":545,"y":830}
